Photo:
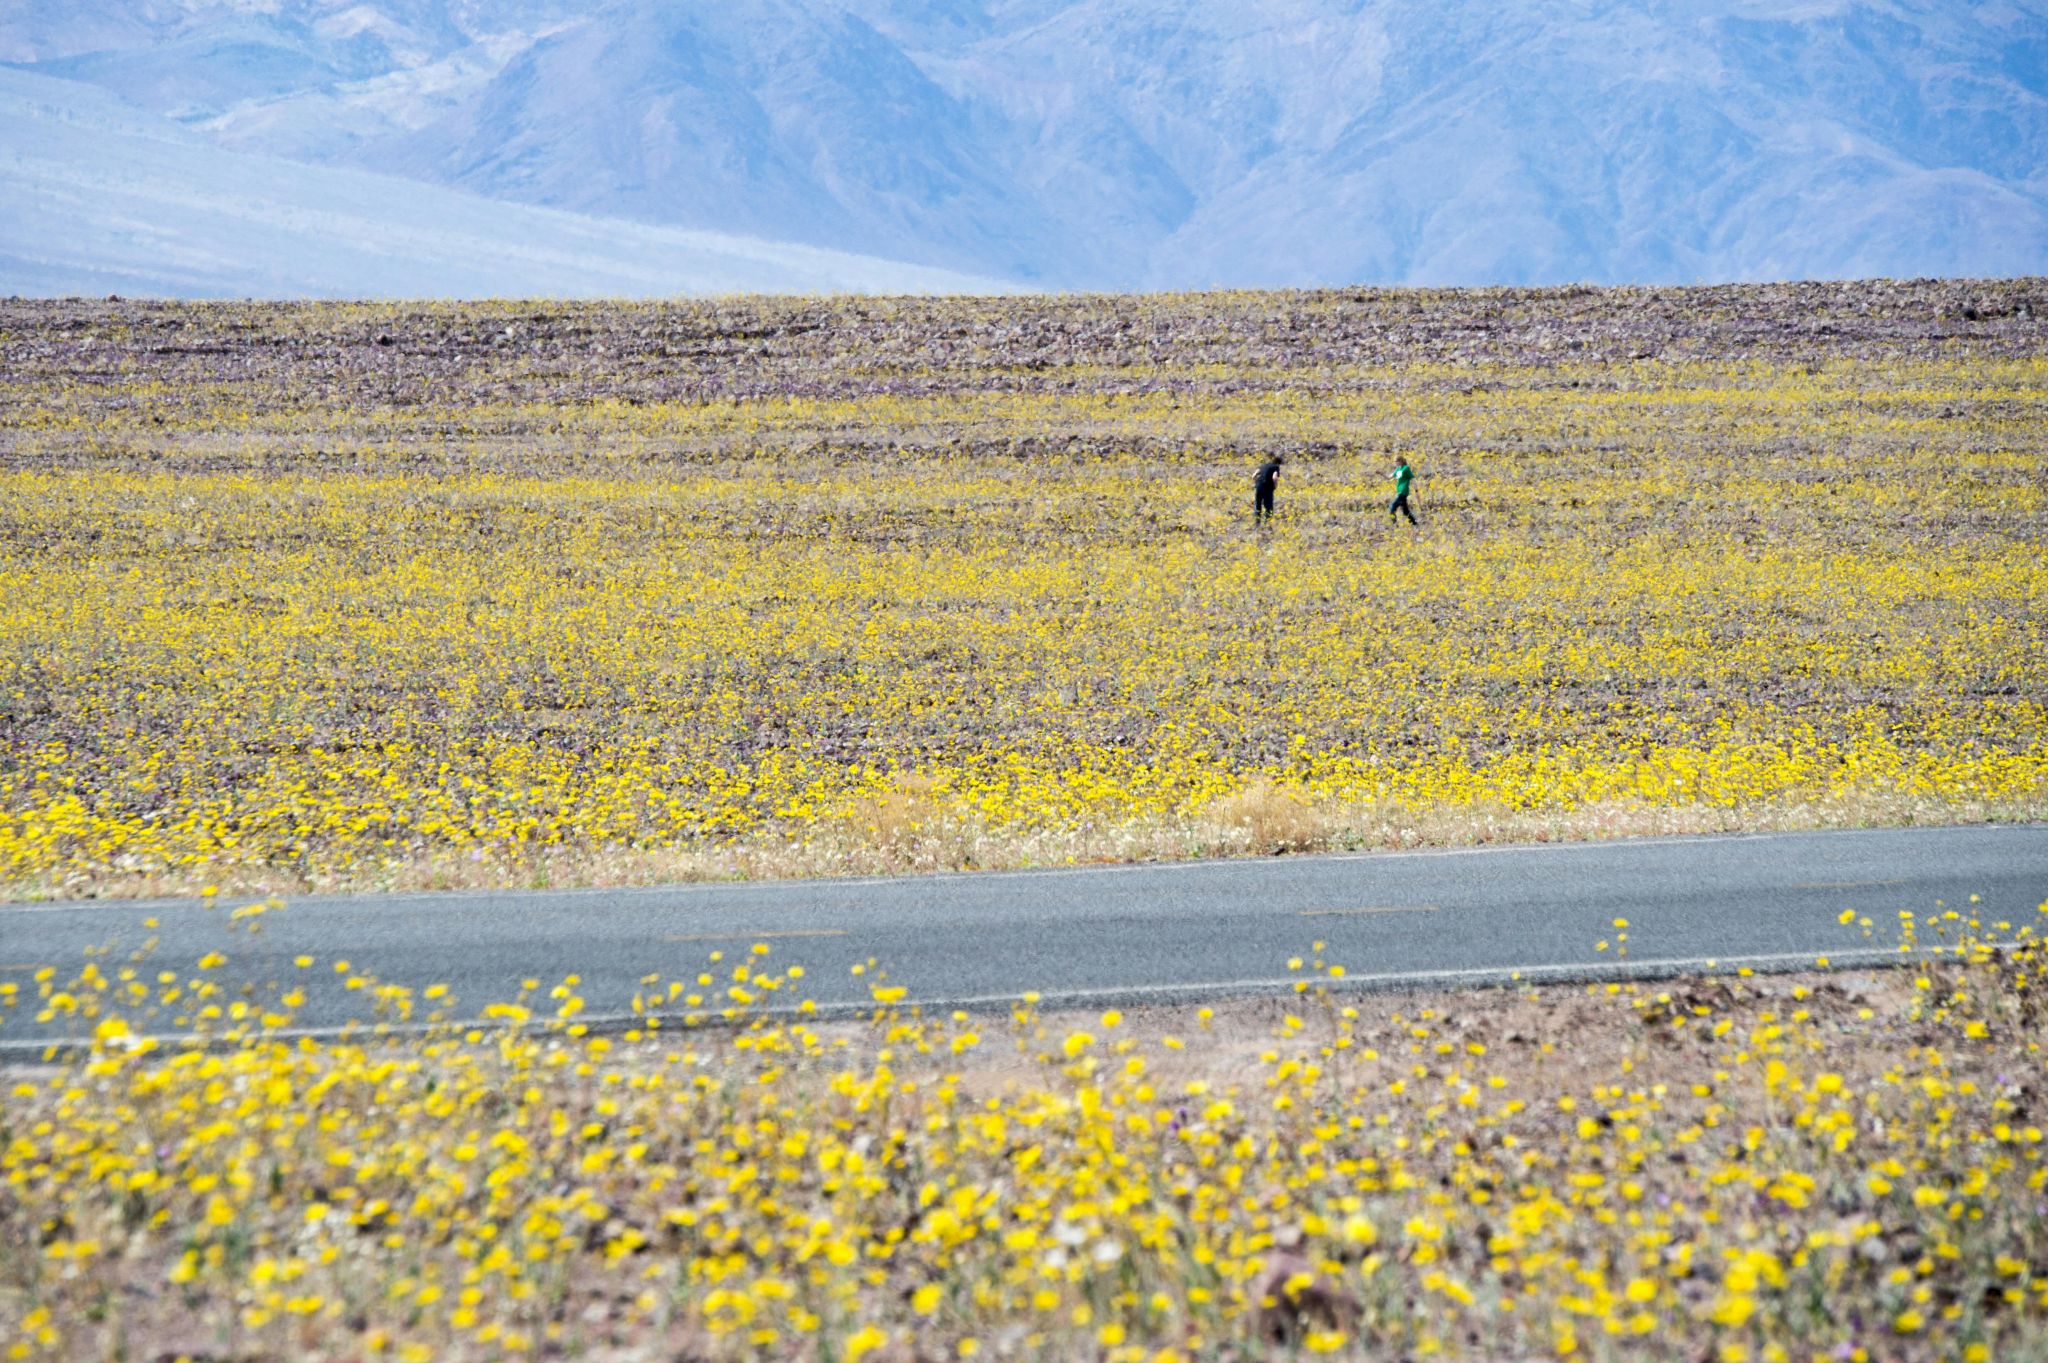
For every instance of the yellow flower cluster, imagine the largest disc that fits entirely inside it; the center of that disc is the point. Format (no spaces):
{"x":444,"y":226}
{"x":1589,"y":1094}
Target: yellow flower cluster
{"x":1716,"y":1168}
{"x":307,"y":626}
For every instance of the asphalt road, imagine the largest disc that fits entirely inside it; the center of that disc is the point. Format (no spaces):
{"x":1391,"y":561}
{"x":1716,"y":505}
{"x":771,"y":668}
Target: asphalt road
{"x":1103,"y":934}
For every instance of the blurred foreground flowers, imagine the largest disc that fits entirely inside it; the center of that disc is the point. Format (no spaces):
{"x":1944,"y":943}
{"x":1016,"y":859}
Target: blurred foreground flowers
{"x":1724,"y":1167}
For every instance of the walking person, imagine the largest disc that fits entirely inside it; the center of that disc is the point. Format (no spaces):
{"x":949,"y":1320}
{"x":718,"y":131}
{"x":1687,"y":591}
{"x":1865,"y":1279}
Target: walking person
{"x":1263,"y":483}
{"x":1404,"y":476}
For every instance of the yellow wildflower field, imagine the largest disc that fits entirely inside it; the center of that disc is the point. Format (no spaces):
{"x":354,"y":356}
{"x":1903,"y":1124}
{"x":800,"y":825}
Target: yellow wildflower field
{"x":1816,"y":1168}
{"x":347,"y":596}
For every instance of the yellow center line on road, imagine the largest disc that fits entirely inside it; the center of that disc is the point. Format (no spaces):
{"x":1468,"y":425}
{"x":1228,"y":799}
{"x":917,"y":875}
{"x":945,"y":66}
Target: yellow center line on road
{"x":1844,"y":884}
{"x":1372,"y":908}
{"x":753,"y":936}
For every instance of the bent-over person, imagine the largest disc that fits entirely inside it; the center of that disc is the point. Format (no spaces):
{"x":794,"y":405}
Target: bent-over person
{"x":1263,"y":483}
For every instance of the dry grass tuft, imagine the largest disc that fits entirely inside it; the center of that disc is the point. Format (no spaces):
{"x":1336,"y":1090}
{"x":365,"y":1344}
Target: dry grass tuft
{"x":1266,"y":817}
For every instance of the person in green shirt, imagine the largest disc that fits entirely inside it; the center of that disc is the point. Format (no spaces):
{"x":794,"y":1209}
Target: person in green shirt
{"x":1404,"y":475}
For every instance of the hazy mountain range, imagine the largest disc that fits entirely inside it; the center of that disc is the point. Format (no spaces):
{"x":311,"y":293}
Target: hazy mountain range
{"x":1141,"y":143}
{"x":97,"y":197}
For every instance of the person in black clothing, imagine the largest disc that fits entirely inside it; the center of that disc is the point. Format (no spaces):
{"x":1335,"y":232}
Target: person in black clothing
{"x":1262,"y":488}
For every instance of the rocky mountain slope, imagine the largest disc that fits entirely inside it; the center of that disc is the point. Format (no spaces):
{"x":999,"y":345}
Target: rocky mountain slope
{"x":1132,"y":143}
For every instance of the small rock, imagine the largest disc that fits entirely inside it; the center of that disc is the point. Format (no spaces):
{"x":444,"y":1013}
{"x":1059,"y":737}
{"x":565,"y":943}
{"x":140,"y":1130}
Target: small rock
{"x":1284,"y":1315}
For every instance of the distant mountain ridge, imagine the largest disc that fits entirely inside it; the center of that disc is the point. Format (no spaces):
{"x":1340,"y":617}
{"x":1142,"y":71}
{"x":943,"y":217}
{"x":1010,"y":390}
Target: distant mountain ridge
{"x":97,"y":196}
{"x":1161,"y":143}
